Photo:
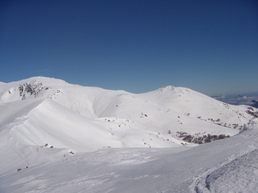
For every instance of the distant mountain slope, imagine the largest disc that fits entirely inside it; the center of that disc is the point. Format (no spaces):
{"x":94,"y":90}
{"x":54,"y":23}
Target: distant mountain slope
{"x":43,"y":110}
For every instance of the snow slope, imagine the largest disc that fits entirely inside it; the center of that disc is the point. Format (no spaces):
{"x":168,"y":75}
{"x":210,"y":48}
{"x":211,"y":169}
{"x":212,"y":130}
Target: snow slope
{"x":228,"y":165}
{"x":161,"y":113}
{"x":64,"y":137}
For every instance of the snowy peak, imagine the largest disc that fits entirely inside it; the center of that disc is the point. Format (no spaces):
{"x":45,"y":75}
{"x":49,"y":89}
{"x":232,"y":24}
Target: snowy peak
{"x":166,"y":117}
{"x":27,"y":89}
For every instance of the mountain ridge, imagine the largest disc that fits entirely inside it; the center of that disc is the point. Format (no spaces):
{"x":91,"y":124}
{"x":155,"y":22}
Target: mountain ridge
{"x":56,"y":136}
{"x":179,"y":114}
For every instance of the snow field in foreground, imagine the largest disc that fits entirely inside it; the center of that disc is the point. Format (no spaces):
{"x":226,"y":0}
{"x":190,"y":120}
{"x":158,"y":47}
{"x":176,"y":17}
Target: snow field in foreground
{"x":228,"y":165}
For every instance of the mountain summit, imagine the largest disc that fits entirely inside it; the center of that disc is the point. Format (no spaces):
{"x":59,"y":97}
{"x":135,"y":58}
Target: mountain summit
{"x":60,"y":137}
{"x":90,"y":118}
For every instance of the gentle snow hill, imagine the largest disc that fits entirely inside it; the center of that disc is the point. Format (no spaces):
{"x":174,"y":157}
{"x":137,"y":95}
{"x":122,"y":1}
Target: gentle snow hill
{"x":40,"y":110}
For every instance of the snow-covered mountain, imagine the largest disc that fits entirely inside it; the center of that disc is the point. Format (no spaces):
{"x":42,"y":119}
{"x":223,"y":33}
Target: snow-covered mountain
{"x":45,"y":121}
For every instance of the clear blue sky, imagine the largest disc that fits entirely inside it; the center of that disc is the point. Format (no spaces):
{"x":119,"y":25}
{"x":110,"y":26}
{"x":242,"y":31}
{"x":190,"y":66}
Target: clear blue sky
{"x":133,"y":45}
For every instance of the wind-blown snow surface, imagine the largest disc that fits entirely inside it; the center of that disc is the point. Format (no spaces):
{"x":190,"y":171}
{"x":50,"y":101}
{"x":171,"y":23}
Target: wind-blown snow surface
{"x":64,"y":137}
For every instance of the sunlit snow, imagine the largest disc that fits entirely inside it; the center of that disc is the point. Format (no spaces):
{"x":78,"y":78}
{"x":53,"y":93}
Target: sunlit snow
{"x":59,"y":137}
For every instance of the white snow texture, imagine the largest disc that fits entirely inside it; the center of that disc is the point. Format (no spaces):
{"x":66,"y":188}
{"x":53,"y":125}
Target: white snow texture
{"x":58,"y":137}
